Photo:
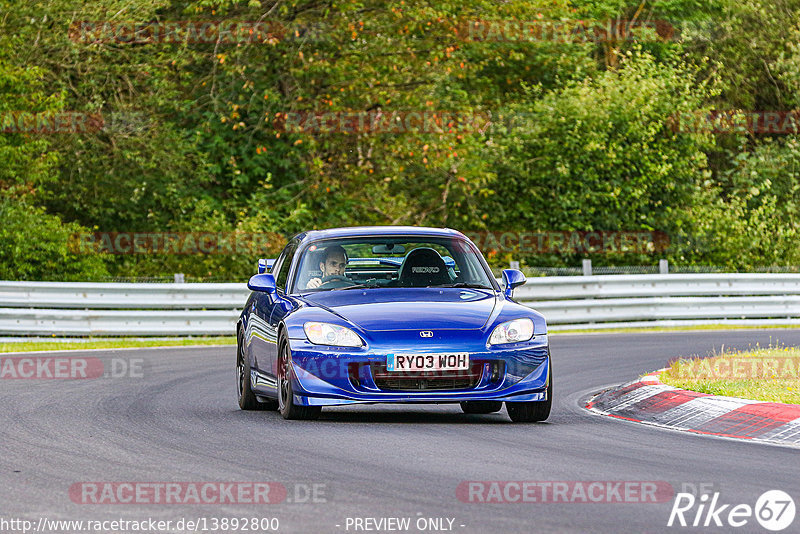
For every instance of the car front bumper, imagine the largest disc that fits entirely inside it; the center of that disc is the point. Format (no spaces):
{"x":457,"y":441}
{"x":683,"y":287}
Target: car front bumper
{"x":328,"y":376}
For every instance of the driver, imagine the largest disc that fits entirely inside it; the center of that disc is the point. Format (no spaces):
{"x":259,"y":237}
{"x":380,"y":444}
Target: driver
{"x":333,"y":263}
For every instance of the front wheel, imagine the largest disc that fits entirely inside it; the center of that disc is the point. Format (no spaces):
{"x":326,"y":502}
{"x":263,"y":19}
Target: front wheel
{"x":531,"y":412}
{"x":286,"y":405}
{"x":247,"y":399}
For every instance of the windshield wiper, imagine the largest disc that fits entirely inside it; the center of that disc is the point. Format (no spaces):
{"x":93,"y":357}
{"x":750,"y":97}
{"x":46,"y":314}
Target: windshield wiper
{"x":464,"y":284}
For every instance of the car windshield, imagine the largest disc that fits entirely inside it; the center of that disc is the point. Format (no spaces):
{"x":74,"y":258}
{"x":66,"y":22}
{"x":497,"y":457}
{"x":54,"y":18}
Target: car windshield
{"x":393,"y":261}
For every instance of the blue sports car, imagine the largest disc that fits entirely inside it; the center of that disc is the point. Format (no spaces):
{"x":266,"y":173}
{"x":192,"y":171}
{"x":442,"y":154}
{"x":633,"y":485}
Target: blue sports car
{"x":389,"y":315}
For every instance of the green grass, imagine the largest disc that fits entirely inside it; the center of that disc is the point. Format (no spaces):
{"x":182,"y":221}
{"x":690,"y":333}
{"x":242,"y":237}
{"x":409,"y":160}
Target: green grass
{"x":121,"y":343}
{"x":765,"y":374}
{"x":700,"y":327}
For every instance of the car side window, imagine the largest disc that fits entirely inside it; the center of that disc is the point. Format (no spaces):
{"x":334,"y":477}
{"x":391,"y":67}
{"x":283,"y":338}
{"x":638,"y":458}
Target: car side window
{"x":277,"y":265}
{"x":283,"y":269}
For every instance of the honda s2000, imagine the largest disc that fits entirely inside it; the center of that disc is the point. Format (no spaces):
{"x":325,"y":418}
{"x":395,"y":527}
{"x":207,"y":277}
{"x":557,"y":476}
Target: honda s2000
{"x":389,"y":315}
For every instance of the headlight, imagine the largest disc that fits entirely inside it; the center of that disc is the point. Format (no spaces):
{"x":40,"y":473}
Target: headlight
{"x":331,"y":334}
{"x":512,"y":332}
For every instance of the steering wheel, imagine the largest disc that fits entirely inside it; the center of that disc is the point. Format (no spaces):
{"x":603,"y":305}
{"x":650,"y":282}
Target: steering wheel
{"x":334,"y":280}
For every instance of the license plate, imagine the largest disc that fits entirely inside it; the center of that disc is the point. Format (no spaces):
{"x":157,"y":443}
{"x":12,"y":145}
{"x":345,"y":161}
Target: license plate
{"x":458,"y":361}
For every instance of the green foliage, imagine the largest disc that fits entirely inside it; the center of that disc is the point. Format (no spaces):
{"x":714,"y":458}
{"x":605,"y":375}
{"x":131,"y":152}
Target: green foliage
{"x":602,"y":154}
{"x":581,"y":136}
{"x":27,"y":162}
{"x":757,"y":223}
{"x":37,"y":246}
{"x":234,"y":249}
{"x":744,"y":40}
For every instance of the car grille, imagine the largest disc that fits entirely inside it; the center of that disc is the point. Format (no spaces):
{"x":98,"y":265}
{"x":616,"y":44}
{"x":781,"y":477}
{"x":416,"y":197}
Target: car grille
{"x":426,"y":380}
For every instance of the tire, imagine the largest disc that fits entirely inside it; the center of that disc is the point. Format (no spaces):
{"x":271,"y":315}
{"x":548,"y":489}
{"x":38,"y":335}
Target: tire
{"x":532,"y":412}
{"x":481,"y":407}
{"x":247,"y":399}
{"x":286,"y":405}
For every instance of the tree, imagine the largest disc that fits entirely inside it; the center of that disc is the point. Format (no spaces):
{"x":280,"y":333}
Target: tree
{"x":604,"y":154}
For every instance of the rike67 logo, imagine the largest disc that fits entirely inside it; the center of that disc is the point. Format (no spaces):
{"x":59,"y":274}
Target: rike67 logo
{"x":774,"y":510}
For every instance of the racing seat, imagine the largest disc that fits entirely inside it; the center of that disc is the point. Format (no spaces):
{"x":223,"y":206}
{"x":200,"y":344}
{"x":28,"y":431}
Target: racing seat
{"x":423,"y":267}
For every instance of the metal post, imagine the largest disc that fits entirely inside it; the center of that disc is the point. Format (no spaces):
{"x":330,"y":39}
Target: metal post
{"x":587,"y":267}
{"x":179,"y":278}
{"x":513,"y":265}
{"x":663,"y":266}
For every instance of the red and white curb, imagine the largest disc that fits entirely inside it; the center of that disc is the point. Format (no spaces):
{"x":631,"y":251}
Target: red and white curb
{"x":648,"y":400}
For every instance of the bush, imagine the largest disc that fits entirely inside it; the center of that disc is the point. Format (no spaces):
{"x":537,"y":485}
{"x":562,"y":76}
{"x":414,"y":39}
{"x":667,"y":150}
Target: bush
{"x":753,"y":218}
{"x":37,"y":246}
{"x":604,"y":154}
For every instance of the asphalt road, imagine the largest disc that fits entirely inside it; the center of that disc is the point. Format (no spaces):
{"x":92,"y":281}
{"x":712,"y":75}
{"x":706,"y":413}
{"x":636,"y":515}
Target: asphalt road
{"x":177,"y":421}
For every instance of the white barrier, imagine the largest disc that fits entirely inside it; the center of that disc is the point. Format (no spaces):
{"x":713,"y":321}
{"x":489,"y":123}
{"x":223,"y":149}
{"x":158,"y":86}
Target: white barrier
{"x":658,"y":285}
{"x":568,"y":302}
{"x":20,"y":321}
{"x":610,"y":301}
{"x":121,"y":296}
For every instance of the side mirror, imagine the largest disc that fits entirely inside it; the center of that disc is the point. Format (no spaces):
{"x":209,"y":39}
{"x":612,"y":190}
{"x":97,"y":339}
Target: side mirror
{"x":262,"y":282}
{"x":265,"y":265}
{"x":512,"y":278}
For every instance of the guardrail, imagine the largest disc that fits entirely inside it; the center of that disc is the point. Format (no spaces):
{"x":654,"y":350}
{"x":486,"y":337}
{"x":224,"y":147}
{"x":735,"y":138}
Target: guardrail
{"x":568,"y":302}
{"x":611,"y":301}
{"x":121,"y":296}
{"x":91,"y":309}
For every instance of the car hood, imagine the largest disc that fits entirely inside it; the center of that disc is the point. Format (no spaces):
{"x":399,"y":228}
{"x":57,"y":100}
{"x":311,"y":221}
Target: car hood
{"x":408,"y":308}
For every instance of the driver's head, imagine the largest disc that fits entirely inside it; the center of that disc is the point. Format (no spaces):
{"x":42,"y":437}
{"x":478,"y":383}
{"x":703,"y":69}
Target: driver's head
{"x":334,"y":261}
